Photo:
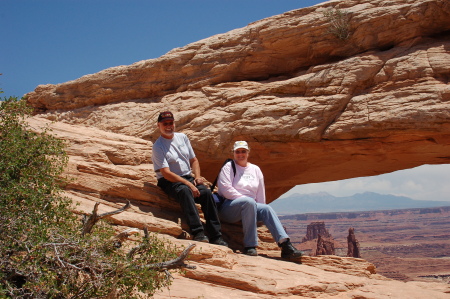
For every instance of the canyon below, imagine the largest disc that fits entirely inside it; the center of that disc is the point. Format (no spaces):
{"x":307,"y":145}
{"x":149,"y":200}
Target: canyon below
{"x":403,"y":244}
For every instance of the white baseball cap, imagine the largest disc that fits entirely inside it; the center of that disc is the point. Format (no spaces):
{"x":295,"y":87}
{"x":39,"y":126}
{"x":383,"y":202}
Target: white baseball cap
{"x":240,"y":144}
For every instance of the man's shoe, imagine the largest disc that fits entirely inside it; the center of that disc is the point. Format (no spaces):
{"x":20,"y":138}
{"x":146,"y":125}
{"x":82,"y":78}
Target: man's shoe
{"x":219,"y":241}
{"x":288,"y":251}
{"x":250,"y":251}
{"x":200,"y":237}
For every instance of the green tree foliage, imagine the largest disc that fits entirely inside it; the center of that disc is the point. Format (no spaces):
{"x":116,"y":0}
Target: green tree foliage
{"x":42,"y":251}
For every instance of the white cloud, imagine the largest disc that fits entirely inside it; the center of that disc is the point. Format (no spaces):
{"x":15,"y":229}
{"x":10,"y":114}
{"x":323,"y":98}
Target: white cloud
{"x":427,"y":182}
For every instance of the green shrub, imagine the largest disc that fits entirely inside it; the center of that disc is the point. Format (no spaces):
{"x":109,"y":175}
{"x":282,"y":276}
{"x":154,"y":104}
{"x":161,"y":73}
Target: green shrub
{"x":42,"y":251}
{"x":339,"y":23}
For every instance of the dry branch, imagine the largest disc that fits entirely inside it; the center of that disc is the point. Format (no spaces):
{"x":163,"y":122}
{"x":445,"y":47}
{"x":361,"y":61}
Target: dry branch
{"x":136,"y":248}
{"x":125,"y":234}
{"x":163,"y":266}
{"x":175,"y":263}
{"x":94,"y":217}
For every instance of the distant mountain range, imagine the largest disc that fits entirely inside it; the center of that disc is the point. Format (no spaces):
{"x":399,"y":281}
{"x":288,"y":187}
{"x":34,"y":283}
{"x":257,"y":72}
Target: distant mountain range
{"x":323,"y":202}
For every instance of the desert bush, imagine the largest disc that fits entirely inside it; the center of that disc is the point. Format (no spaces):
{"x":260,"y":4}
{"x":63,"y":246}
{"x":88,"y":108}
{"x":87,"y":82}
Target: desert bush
{"x":43,"y":253}
{"x":339,"y":23}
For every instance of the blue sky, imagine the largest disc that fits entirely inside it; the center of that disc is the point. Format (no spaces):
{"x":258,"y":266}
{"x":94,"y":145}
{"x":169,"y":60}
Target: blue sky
{"x":54,"y":41}
{"x":426,"y":182}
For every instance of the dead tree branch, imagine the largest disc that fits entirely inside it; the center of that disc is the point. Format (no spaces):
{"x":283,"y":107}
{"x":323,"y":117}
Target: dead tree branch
{"x":133,"y":250}
{"x":175,"y":263}
{"x":94,"y":217}
{"x":120,"y":238}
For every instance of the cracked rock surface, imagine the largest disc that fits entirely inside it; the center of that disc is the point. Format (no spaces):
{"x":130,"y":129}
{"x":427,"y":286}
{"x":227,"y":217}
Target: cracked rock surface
{"x":312,"y":106}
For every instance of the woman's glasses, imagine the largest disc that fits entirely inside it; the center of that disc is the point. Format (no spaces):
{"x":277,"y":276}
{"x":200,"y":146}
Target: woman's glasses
{"x":240,"y":152}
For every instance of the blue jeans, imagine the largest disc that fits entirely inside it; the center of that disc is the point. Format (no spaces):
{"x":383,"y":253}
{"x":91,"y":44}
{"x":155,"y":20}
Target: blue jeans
{"x":250,"y":212}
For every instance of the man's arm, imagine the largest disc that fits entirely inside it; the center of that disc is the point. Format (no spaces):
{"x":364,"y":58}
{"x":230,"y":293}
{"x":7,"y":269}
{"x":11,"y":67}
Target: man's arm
{"x":195,"y":165}
{"x":173,"y":177}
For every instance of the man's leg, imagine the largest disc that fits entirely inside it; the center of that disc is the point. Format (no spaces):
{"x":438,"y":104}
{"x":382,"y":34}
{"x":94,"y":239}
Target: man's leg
{"x":183,"y":195}
{"x":209,"y":209}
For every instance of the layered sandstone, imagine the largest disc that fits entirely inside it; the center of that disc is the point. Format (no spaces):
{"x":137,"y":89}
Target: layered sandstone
{"x":313,"y":108}
{"x":374,"y":103}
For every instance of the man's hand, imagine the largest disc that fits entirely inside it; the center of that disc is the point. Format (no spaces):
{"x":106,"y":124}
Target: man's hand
{"x":172,"y":177}
{"x":194,"y":190}
{"x":199,"y":181}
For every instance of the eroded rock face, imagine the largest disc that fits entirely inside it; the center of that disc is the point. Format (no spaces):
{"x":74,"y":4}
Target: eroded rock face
{"x":324,"y":246}
{"x":314,"y":229}
{"x":313,"y":108}
{"x":352,"y":244}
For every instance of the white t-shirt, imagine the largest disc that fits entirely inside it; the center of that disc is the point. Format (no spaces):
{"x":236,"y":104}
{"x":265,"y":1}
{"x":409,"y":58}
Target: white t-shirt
{"x":248,"y":181}
{"x":174,"y":153}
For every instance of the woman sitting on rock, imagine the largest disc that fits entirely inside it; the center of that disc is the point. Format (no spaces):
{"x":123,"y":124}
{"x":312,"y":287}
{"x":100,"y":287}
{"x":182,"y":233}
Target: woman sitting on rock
{"x":246,"y":201}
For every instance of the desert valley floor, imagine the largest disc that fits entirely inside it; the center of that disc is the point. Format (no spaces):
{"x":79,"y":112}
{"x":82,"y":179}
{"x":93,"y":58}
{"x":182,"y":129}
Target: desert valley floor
{"x":410,"y":244}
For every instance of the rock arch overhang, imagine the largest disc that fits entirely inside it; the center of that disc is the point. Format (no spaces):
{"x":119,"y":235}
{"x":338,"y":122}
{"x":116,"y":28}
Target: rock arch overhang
{"x":314,"y":108}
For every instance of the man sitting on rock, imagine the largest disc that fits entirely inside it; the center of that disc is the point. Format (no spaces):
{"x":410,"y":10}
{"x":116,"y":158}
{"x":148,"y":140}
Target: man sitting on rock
{"x":175,"y":164}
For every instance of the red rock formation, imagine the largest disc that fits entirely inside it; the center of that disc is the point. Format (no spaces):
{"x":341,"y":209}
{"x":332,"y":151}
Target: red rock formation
{"x":313,"y":108}
{"x":372,"y":104}
{"x":324,"y":246}
{"x":314,"y":229}
{"x":353,"y":244}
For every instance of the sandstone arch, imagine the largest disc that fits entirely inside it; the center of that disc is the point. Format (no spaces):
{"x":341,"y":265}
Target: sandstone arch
{"x":314,"y":108}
